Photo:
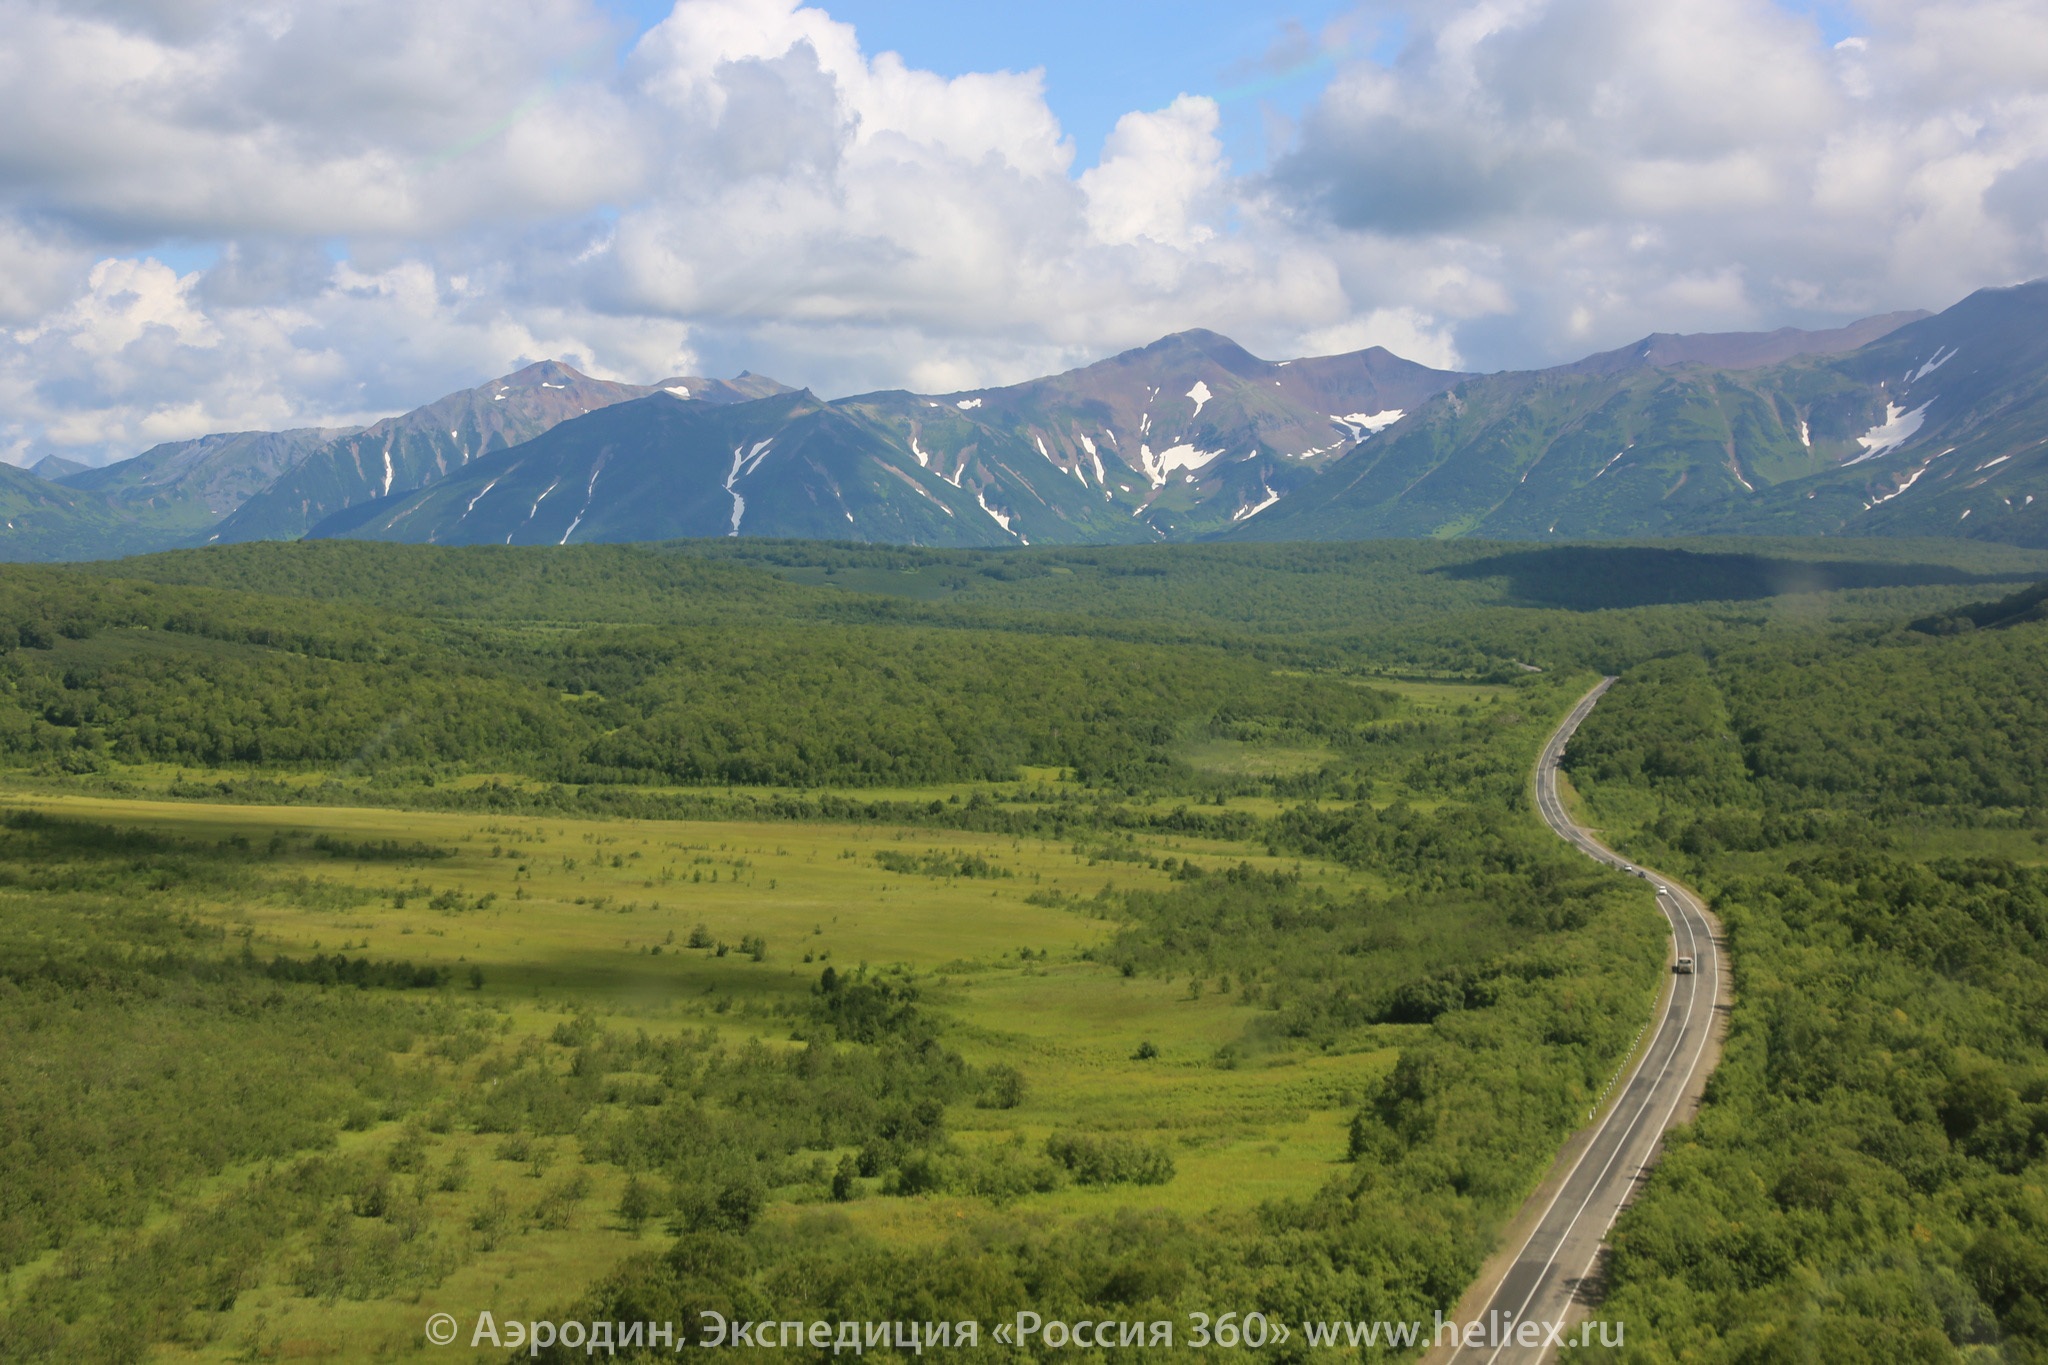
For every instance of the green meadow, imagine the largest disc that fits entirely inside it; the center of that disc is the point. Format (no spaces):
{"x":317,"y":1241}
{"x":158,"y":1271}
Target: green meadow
{"x":592,"y":921}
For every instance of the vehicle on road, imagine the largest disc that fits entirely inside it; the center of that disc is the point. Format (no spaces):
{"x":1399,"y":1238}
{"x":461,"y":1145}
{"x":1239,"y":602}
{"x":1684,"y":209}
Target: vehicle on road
{"x":1683,"y":966}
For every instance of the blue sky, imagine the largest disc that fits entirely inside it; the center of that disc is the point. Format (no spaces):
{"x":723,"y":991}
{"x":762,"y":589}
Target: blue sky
{"x":1102,"y":60}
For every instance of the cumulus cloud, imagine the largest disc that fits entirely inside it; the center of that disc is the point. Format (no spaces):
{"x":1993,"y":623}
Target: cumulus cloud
{"x":1155,"y":171}
{"x":1615,"y":167}
{"x":223,"y":215}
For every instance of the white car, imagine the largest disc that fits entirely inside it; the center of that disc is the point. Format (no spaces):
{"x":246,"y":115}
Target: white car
{"x":1683,"y":966}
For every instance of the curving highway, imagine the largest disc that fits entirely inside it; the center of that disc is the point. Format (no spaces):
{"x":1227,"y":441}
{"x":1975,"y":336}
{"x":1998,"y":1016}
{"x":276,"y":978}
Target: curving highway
{"x":1542,"y":1281}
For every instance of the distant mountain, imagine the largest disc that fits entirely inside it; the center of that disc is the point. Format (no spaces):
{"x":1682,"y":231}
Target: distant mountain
{"x":181,"y":489}
{"x":425,"y":445}
{"x":55,"y":467}
{"x":196,"y":491}
{"x":1188,"y":434}
{"x":1741,"y":350}
{"x":41,"y":520}
{"x":1895,"y":437}
{"x":164,"y":497}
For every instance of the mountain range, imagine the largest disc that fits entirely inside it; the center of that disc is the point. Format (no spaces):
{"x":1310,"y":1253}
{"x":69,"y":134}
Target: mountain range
{"x":1903,"y":424}
{"x":1936,"y":427}
{"x":1179,"y":438}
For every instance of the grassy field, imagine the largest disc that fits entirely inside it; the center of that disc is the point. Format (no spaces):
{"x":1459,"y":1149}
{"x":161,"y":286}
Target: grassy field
{"x":592,"y":920}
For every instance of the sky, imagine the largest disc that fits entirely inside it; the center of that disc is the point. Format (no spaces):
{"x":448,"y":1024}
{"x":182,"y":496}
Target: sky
{"x":251,"y":214}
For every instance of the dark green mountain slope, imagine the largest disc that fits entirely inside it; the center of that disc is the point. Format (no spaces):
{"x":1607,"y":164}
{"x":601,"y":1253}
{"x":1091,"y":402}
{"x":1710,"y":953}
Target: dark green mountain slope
{"x":270,"y":485}
{"x":169,"y":495}
{"x":1898,"y":437}
{"x":659,"y":467}
{"x":44,"y":520}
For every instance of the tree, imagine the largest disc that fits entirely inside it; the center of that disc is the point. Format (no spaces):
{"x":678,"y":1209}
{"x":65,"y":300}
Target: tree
{"x":636,"y":1203}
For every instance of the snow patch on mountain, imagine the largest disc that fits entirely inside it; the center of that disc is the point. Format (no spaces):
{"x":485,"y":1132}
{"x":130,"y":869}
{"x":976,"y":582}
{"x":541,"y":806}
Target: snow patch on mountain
{"x":1904,"y":484}
{"x":1200,"y":393}
{"x":1160,"y":467}
{"x":1247,"y":513}
{"x":1895,"y":430}
{"x":1001,"y":519}
{"x":589,"y":493}
{"x":968,"y":404}
{"x":1367,"y":423}
{"x":1931,"y":366}
{"x":1089,"y":446}
{"x":479,"y":497}
{"x":739,"y":504}
{"x":534,"y":510}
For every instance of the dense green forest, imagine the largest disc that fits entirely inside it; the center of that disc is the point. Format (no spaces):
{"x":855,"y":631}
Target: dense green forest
{"x":1866,"y":811}
{"x":706,"y":664}
{"x":630,"y":828}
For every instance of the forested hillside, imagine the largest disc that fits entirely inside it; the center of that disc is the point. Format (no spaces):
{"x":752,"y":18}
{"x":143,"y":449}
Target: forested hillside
{"x":1867,"y":812}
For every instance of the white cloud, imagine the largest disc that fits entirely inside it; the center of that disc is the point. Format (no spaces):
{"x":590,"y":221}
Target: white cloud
{"x":404,"y":199}
{"x":1615,"y":167}
{"x":1156,"y":170}
{"x":159,"y":367}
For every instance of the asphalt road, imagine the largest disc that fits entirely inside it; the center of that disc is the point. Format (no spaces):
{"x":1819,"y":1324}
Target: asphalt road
{"x":1545,"y":1277}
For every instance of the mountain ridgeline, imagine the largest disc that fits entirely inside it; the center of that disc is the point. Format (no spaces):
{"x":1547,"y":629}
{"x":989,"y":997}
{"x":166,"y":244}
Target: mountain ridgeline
{"x":1189,"y":435}
{"x":1937,"y":427}
{"x":1903,"y":424}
